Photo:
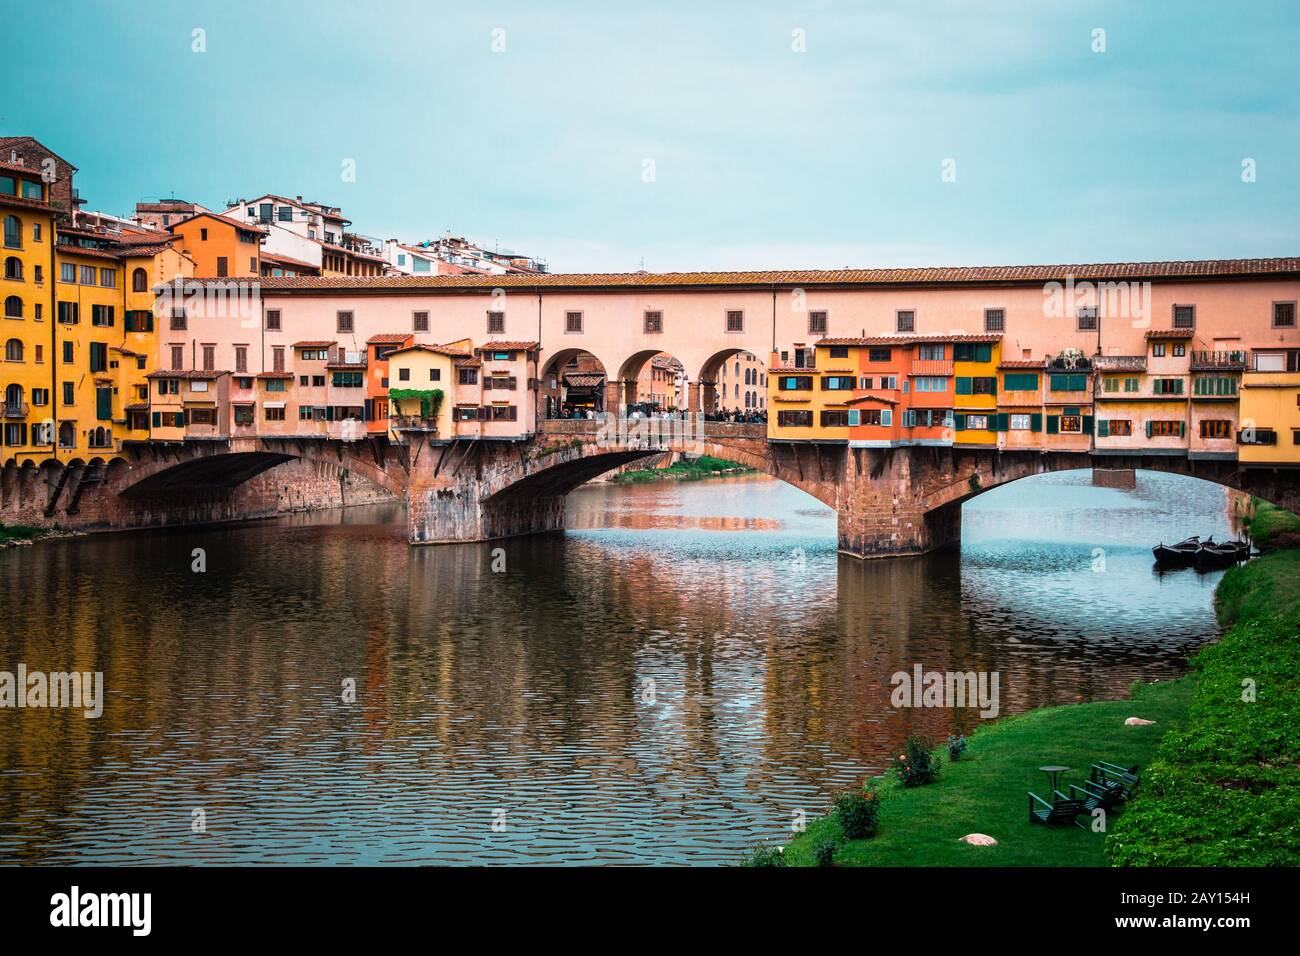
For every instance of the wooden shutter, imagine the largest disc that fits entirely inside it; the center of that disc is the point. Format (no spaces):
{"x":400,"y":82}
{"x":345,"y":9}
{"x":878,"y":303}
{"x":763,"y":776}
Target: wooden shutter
{"x":959,"y":422}
{"x":1087,"y":424}
{"x":1053,"y":424}
{"x":963,"y":385}
{"x":1036,"y":422}
{"x":1103,"y":428}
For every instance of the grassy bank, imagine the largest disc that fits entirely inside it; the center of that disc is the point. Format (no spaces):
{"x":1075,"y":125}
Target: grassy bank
{"x":1271,"y":528}
{"x":1225,"y":790}
{"x":686,"y":469}
{"x":19,"y":532}
{"x":985,"y":791}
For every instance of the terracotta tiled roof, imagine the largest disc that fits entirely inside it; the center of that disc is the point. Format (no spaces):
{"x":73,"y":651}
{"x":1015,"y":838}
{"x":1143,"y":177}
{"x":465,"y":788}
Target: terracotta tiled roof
{"x":959,"y":275}
{"x":314,"y":344}
{"x":136,"y":252}
{"x":1170,"y":333}
{"x":20,"y":168}
{"x":872,"y":397}
{"x":24,"y":203}
{"x":915,"y":338}
{"x":436,"y":349}
{"x":468,"y":363}
{"x":491,"y":346}
{"x":70,"y":250}
{"x":585,"y":381}
{"x":288,"y":261}
{"x":389,"y":338}
{"x":122,"y":351}
{"x":272,"y":376}
{"x":790,"y":368}
{"x":1022,"y":363}
{"x":138,"y":407}
{"x":249,"y":226}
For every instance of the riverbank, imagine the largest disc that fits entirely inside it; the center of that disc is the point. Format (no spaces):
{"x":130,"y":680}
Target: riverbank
{"x":1221,"y":765}
{"x":685,"y":469}
{"x":986,"y":790}
{"x":17,"y":536}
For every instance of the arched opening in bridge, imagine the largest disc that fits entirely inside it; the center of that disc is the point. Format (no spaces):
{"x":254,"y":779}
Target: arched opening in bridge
{"x":574,"y":384}
{"x":733,"y":386}
{"x":653,"y":383}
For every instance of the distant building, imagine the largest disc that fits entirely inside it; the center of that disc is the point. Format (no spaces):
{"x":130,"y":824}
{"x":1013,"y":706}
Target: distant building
{"x":166,"y":212}
{"x":302,"y":236}
{"x":55,"y":171}
{"x":453,"y":255}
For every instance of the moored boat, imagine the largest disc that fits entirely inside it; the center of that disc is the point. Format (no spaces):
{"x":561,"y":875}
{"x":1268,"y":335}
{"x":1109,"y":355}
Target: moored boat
{"x":1174,"y":555}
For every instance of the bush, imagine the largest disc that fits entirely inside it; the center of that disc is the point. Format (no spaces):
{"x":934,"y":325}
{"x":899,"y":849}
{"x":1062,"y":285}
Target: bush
{"x":824,"y":851}
{"x":765,"y":856}
{"x":956,"y":746}
{"x":858,"y":812}
{"x":918,"y":764}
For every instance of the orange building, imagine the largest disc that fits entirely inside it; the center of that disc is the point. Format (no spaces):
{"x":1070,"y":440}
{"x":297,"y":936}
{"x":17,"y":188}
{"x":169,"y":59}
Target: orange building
{"x":221,"y":246}
{"x":381,"y":346}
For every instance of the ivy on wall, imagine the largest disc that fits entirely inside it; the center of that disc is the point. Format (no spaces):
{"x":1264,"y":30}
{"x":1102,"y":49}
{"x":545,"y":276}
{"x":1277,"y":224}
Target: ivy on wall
{"x":430,"y":399}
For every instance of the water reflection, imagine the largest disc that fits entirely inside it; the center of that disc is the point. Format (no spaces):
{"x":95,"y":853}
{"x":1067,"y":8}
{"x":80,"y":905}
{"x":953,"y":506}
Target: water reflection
{"x":767,"y":657}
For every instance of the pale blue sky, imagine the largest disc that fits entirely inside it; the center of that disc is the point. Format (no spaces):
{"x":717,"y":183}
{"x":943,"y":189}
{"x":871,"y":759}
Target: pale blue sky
{"x":763,"y":157}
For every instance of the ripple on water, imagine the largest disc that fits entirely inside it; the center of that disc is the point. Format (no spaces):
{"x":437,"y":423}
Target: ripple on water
{"x":667,"y":683}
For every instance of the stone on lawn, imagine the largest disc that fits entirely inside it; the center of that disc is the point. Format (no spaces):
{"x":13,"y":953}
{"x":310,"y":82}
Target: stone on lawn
{"x":979,"y":839}
{"x":1138,"y":722}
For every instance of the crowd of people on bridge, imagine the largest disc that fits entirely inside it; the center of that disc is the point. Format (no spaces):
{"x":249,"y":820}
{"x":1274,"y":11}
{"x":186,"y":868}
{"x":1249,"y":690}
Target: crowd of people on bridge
{"x":737,"y":416}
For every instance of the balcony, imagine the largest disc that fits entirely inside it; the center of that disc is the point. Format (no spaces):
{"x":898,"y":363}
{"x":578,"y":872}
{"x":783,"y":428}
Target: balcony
{"x":931,"y":367}
{"x":16,"y":410}
{"x":414,"y":423}
{"x":1205,"y":361}
{"x":1120,"y":363}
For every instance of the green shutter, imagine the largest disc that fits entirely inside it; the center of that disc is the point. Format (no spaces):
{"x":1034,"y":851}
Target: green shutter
{"x":984,"y":352}
{"x":1087,"y":424}
{"x":1182,"y":429}
{"x":1148,"y":429}
{"x":1036,"y":422}
{"x":1053,"y":424}
{"x":1070,"y":410}
{"x":157,"y":419}
{"x":959,"y":422}
{"x":1001,"y":422}
{"x":1103,"y":428}
{"x":963,"y":385}
{"x":961,"y":352}
{"x":104,"y":404}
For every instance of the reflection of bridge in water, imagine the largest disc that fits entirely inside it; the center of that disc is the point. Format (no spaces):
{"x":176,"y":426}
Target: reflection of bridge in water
{"x":889,"y":501}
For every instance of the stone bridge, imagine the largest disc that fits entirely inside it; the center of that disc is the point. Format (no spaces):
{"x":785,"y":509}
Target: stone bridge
{"x":889,"y":501}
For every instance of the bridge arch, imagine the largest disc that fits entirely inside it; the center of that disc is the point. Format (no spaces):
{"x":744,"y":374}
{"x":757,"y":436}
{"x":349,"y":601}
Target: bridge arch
{"x":573,"y":380}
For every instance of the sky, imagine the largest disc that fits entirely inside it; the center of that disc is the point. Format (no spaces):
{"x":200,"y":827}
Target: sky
{"x":693,"y":136}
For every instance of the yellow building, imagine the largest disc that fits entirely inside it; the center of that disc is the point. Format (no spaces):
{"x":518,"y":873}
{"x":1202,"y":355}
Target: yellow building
{"x":1269,"y":428}
{"x":976,"y":420}
{"x":421,"y":390}
{"x":812,"y":402}
{"x":25,"y":289}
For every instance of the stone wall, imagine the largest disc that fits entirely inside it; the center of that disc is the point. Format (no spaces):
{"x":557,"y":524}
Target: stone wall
{"x":298,"y":485}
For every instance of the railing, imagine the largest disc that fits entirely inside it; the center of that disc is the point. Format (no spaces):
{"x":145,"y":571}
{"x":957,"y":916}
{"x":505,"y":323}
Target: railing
{"x":18,"y":410}
{"x":931,"y":367}
{"x":1205,"y":359}
{"x":414,"y":423}
{"x":1121,"y":363}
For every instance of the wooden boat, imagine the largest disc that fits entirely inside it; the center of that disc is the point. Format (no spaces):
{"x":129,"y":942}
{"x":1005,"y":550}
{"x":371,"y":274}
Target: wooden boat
{"x":1182,"y":554}
{"x":1211,"y":555}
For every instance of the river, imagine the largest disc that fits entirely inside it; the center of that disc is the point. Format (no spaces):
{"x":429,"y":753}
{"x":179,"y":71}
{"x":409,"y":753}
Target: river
{"x":670,"y":681}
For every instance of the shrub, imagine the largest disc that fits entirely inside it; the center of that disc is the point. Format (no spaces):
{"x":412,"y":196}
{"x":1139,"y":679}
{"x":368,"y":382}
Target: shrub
{"x":918,"y":764}
{"x":824,"y":851}
{"x":858,"y":812}
{"x":765,"y":856}
{"x":956,"y":746}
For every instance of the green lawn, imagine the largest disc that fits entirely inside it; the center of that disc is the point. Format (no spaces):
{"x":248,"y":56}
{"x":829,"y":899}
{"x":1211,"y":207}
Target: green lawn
{"x":1270,"y":527}
{"x":1225,"y":791}
{"x":985,"y":791}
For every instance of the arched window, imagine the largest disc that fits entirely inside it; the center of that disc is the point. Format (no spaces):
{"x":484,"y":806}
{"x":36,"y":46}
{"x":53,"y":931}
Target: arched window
{"x":13,"y":232}
{"x":100,"y":437}
{"x":14,"y":350}
{"x":67,"y":435}
{"x":14,"y":268}
{"x":13,"y":307}
{"x":13,"y":396}
{"x":737,"y":368}
{"x":139,"y":281}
